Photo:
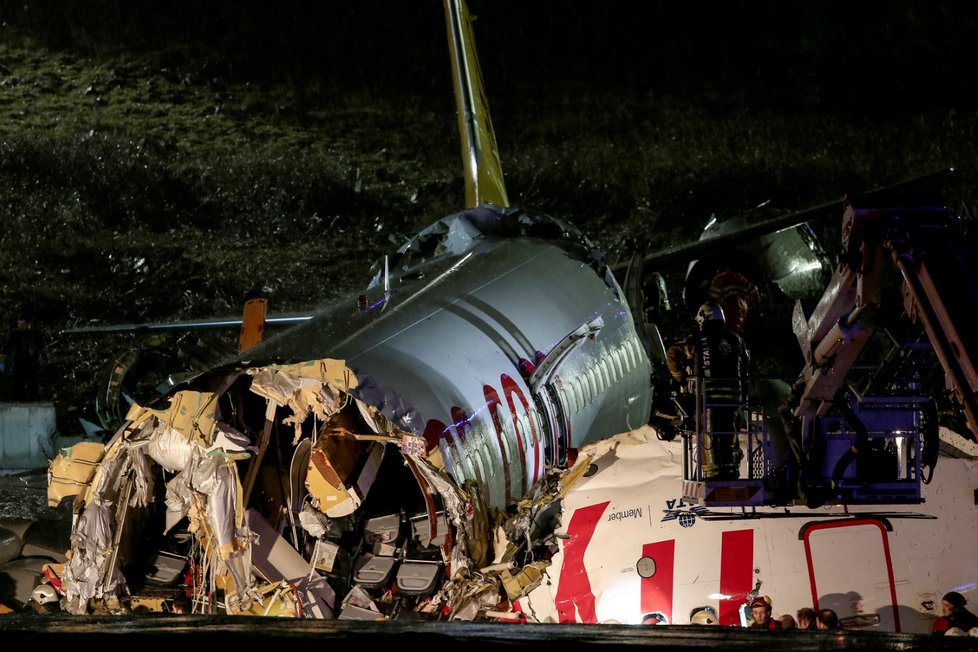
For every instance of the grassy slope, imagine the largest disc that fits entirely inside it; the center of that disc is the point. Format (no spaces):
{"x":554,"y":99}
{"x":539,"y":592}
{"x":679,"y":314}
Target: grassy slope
{"x":148,"y":185}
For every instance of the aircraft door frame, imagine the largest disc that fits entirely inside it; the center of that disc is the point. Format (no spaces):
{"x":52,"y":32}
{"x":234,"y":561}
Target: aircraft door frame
{"x":812,"y":555}
{"x":553,"y":422}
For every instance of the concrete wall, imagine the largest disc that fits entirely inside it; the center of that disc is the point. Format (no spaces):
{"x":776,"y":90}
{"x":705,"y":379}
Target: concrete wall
{"x":27,"y":433}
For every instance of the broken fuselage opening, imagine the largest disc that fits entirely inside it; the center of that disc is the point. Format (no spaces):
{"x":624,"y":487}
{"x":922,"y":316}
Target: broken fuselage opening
{"x":376,"y":476}
{"x":267,"y":491}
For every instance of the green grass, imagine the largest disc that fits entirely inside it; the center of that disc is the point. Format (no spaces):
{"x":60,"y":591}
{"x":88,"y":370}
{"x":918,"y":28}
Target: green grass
{"x":148,"y":186}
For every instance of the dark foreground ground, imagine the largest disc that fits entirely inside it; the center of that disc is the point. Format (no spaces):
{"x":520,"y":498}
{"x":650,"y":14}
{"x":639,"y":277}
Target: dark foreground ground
{"x":227,"y":632}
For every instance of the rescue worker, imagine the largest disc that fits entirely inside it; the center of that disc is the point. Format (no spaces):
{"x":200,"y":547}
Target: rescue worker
{"x":806,"y":618}
{"x":955,"y":614}
{"x":721,"y":363}
{"x":736,"y":295}
{"x":760,"y":609}
{"x":679,"y":360}
{"x":827,"y":619}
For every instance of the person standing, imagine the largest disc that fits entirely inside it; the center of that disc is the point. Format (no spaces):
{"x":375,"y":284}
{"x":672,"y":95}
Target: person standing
{"x":827,"y":619}
{"x":760,"y":609}
{"x":23,"y":356}
{"x":721,"y":364}
{"x":955,"y":614}
{"x":736,"y":295}
{"x":806,"y":618}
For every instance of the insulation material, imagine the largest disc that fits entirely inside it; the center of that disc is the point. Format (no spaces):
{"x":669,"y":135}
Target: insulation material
{"x":326,"y":488}
{"x":104,"y":474}
{"x":191,"y":413}
{"x":143,"y":478}
{"x":326,"y":370}
{"x":179,"y":499}
{"x":528,"y":578}
{"x":274,"y":385}
{"x":317,"y":387}
{"x":375,"y":419}
{"x":92,"y":552}
{"x":72,"y":469}
{"x":170,"y":448}
{"x":230,"y":443}
{"x":333,"y":462}
{"x":205,"y":462}
{"x":218,"y":480}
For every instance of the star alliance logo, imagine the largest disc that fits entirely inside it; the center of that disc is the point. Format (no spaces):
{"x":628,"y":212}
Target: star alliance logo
{"x":676,"y":510}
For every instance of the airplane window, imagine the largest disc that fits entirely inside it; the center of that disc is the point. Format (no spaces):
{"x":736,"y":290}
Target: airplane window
{"x":592,"y":385}
{"x":523,"y":431}
{"x":479,"y":464}
{"x":619,"y":367}
{"x":566,"y":399}
{"x":505,"y":424}
{"x":626,"y":354}
{"x":532,"y":424}
{"x":456,"y":459}
{"x":602,"y":375}
{"x":632,"y":354}
{"x":578,"y":395}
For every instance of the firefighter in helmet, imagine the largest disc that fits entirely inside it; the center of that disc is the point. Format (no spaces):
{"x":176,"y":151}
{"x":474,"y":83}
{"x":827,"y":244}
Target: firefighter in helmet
{"x":720,"y":366}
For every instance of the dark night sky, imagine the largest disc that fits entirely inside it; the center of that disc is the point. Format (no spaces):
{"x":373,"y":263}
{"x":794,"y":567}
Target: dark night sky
{"x":831,"y":54}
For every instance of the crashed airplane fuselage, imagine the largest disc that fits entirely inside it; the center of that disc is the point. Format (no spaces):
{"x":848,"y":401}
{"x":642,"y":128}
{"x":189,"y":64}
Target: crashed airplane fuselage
{"x":361,"y":460}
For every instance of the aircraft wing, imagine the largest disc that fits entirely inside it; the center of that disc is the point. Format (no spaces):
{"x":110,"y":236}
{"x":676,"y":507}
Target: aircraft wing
{"x":723,"y":240}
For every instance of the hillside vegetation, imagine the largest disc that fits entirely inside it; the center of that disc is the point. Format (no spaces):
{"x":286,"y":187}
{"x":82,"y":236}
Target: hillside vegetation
{"x":167,"y":163}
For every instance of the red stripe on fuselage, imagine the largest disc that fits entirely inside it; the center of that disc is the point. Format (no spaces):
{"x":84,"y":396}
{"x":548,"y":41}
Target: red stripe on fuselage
{"x":657,"y":590}
{"x":574,"y":594}
{"x":510,"y":388}
{"x":736,"y":572}
{"x":433,"y":431}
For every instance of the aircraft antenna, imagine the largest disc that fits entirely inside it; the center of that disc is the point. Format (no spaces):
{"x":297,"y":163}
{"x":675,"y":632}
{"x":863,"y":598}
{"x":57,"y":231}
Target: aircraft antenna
{"x":387,"y":281}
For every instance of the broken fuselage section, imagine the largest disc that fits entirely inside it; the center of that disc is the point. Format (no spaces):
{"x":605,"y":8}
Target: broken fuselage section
{"x":369,"y":462}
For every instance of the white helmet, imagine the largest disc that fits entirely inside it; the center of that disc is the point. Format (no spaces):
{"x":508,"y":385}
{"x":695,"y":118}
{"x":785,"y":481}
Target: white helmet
{"x":709,"y":311}
{"x":44,"y":594}
{"x":704,"y":616}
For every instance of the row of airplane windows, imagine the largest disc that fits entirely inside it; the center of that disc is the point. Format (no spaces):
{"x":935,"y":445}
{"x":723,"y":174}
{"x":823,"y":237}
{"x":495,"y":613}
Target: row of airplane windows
{"x":576,"y":396}
{"x":606,"y":373}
